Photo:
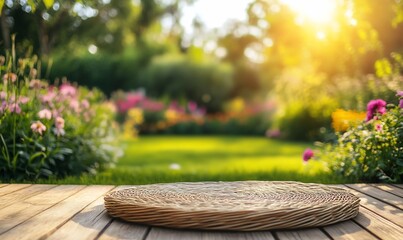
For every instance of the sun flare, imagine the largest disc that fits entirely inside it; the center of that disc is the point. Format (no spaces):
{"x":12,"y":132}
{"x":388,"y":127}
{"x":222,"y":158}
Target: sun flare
{"x":315,"y":11}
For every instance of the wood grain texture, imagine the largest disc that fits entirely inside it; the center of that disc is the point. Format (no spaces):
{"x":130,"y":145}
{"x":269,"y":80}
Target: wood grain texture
{"x":123,"y":230}
{"x":178,"y":234}
{"x":379,"y":194}
{"x":77,"y":212}
{"x":348,"y":230}
{"x":312,"y":234}
{"x":390,"y":188}
{"x":87,"y":224}
{"x":12,"y":188}
{"x":19,"y":212}
{"x":378,"y":225}
{"x":49,"y":220}
{"x":389,"y":212}
{"x":23,"y":194}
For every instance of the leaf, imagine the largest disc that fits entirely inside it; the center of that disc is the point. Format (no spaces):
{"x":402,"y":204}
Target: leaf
{"x":1,"y":5}
{"x":48,"y":3}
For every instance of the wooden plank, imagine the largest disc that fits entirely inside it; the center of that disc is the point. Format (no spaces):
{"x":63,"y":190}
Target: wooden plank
{"x":46,"y":222}
{"x":178,"y":234}
{"x":398,"y":185}
{"x":124,"y":230}
{"x":389,"y":212}
{"x":23,"y":194}
{"x":379,"y":194}
{"x":3,"y":185}
{"x":85,"y":225}
{"x":348,"y":230}
{"x":19,"y":212}
{"x":310,"y":233}
{"x":378,"y":226}
{"x":12,"y":188}
{"x":390,"y":188}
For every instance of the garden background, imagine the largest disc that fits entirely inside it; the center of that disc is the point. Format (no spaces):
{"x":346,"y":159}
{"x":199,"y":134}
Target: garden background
{"x":145,"y":91}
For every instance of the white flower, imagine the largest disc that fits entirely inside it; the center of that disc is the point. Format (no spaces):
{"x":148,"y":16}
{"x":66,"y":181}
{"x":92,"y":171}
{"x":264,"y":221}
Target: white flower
{"x":45,"y":113}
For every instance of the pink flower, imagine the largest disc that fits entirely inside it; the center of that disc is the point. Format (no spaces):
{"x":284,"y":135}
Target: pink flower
{"x":23,"y":99}
{"x":68,"y":90}
{"x":85,"y":104}
{"x":47,"y":98}
{"x":3,"y":95}
{"x":75,"y":105}
{"x":45,"y":113}
{"x":375,"y":106}
{"x":59,"y":132}
{"x":3,"y":106}
{"x":378,"y":127}
{"x":36,"y":84}
{"x":401,"y":103}
{"x":192,"y":106}
{"x":59,"y":122}
{"x":15,"y":108}
{"x":38,"y":127}
{"x":308,"y":154}
{"x":9,"y":76}
{"x":399,"y":93}
{"x":273,"y":133}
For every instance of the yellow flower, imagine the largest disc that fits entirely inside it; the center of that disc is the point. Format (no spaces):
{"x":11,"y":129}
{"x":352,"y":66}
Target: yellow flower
{"x":343,"y":120}
{"x":135,"y":115}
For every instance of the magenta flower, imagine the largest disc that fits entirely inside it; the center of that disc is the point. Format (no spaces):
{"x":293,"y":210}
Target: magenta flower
{"x":374,"y":107}
{"x":192,"y":106}
{"x":401,"y":103}
{"x":399,"y":93}
{"x":308,"y":154}
{"x":378,"y":127}
{"x":38,"y":127}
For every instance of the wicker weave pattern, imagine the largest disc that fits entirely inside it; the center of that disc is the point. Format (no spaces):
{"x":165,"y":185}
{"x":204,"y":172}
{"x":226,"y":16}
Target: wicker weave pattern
{"x":241,"y":206}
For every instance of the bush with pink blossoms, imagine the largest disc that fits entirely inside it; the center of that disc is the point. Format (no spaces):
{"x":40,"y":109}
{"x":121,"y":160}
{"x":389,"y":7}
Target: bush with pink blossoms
{"x":372,"y":151}
{"x":51,"y":130}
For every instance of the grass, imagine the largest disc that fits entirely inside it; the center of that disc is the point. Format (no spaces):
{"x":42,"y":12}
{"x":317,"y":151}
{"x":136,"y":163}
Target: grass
{"x":207,"y":158}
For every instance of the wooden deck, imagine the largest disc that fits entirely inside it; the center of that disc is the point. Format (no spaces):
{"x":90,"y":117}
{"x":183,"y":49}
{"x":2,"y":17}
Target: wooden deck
{"x":77,"y":212}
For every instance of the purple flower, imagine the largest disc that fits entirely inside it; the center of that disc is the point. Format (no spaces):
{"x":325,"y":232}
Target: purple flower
{"x":375,"y":106}
{"x":401,"y":103}
{"x":308,"y":154}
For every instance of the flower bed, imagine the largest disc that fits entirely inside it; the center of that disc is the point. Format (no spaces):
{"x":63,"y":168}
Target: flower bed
{"x":51,"y":130}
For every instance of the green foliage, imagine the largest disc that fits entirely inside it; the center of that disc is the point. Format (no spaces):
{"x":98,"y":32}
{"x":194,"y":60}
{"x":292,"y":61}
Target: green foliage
{"x":306,"y":120}
{"x":371,"y":152}
{"x":51,"y":131}
{"x":207,"y":82}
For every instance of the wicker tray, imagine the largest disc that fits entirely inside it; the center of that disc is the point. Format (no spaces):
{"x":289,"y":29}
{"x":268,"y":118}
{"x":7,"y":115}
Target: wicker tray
{"x":238,"y":206}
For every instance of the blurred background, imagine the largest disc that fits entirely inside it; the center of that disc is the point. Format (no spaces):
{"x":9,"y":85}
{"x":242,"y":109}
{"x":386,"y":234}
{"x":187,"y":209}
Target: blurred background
{"x":282,"y":68}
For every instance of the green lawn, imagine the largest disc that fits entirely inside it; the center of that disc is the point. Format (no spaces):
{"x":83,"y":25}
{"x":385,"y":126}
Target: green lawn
{"x":149,"y":159}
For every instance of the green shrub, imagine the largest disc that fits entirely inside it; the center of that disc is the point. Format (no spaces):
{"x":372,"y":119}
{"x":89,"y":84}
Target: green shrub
{"x":373,"y":151}
{"x":51,"y":131}
{"x":208,"y":83}
{"x":305,"y":120}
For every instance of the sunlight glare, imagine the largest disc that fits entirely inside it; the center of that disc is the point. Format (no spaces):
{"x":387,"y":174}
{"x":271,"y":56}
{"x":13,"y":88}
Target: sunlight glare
{"x":316,"y":11}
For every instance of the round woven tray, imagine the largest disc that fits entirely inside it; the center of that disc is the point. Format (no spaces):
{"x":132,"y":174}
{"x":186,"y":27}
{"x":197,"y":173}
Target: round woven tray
{"x":238,"y":206}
